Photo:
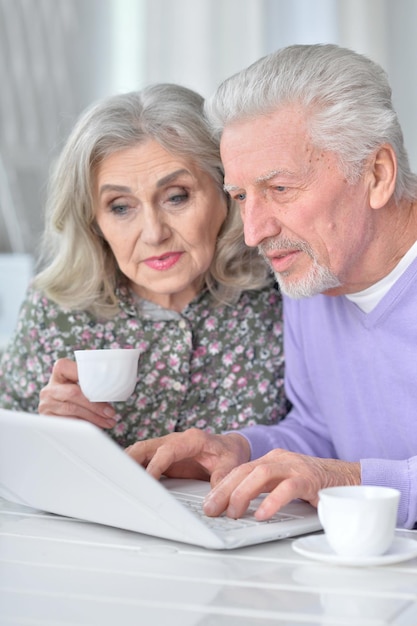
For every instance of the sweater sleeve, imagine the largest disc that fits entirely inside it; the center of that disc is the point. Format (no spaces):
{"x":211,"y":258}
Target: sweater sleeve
{"x":343,"y":408}
{"x":400,"y":474}
{"x":303,"y":430}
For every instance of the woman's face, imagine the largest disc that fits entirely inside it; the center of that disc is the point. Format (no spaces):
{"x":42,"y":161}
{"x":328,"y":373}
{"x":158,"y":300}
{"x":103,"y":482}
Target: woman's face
{"x":160,"y":215}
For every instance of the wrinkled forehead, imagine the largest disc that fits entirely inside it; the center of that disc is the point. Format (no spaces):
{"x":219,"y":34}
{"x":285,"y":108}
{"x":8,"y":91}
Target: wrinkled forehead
{"x":256,"y":149}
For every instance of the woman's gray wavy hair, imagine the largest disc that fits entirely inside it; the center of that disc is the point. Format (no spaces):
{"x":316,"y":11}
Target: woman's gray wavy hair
{"x":346,"y":96}
{"x":80,"y":271}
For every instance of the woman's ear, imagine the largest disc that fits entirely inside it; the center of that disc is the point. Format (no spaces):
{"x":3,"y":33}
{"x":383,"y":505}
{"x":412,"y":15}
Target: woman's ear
{"x":383,"y":176}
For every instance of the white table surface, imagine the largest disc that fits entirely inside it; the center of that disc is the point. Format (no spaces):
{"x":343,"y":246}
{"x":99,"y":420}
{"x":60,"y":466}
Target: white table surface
{"x":56,"y":571}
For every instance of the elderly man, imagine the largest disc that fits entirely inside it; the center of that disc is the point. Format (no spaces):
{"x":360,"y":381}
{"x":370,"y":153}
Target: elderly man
{"x":314,"y":154}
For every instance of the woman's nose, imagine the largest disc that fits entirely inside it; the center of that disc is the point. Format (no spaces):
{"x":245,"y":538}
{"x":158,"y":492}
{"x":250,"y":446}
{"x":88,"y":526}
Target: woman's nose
{"x":154,"y":228}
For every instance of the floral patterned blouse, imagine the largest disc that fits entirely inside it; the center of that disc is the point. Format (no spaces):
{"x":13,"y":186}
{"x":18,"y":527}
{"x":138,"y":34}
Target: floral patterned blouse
{"x":212,"y":367}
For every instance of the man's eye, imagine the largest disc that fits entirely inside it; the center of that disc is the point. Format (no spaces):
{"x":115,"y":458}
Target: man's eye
{"x":280,"y":188}
{"x":240,"y":197}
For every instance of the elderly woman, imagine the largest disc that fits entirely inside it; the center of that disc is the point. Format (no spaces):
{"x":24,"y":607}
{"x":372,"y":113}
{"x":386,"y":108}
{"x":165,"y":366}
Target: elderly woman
{"x":142,"y":248}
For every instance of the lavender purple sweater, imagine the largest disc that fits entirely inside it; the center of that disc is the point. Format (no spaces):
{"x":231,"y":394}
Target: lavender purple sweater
{"x":352,"y":378}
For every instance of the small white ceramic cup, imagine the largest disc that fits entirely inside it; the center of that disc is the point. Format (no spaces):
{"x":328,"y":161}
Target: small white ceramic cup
{"x":107,"y":375}
{"x":359,"y":521}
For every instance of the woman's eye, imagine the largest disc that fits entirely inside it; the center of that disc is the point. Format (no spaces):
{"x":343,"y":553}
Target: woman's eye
{"x":119,"y":209}
{"x":177,"y":197}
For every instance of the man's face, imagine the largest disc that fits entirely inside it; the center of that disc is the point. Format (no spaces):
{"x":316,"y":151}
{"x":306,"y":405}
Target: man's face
{"x":312,"y":226}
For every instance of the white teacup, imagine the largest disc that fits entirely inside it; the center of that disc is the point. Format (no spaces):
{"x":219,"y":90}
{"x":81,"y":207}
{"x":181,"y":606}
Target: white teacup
{"x":107,"y":375}
{"x":359,"y":521}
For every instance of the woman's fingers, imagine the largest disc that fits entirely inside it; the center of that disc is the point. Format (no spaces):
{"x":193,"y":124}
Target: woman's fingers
{"x":62,"y":396}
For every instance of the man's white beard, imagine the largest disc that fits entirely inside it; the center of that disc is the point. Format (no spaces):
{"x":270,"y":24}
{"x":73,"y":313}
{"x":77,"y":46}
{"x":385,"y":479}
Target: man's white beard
{"x":317,"y":280}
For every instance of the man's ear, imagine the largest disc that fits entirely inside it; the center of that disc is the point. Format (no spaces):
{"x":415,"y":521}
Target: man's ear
{"x":383,"y":176}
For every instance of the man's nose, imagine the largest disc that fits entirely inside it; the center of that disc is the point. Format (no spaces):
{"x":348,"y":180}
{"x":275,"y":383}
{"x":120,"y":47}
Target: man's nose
{"x":259,"y":221}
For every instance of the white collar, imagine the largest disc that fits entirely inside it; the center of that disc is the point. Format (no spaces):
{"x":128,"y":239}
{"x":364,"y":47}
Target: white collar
{"x":371,"y":296}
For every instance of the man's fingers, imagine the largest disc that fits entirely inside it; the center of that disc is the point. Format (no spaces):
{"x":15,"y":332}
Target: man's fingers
{"x":243,"y":484}
{"x":161,"y":461}
{"x":229,"y":494}
{"x":179,"y":455}
{"x":160,"y":454}
{"x":283,"y":493}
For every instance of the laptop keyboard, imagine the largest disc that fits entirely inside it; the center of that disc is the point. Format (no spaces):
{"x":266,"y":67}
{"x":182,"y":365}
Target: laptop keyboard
{"x":224,"y":523}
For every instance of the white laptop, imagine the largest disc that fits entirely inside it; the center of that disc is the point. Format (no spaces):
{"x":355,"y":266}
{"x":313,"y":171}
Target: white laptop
{"x":72,"y":468}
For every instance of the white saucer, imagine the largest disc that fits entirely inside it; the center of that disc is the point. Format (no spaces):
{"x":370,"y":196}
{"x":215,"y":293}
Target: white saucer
{"x":316,"y":547}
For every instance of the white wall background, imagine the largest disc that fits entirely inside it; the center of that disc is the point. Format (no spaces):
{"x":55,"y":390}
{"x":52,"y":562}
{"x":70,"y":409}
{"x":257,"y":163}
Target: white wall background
{"x":56,"y":56}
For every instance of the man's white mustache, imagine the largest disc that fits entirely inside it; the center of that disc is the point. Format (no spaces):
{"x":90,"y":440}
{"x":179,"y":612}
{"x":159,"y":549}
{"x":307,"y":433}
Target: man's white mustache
{"x":284,"y":244}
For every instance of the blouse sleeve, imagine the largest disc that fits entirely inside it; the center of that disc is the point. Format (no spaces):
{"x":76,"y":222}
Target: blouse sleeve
{"x":27,"y":362}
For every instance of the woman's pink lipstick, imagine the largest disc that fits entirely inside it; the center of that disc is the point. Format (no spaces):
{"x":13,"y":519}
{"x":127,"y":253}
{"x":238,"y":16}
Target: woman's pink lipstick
{"x":163,"y":262}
